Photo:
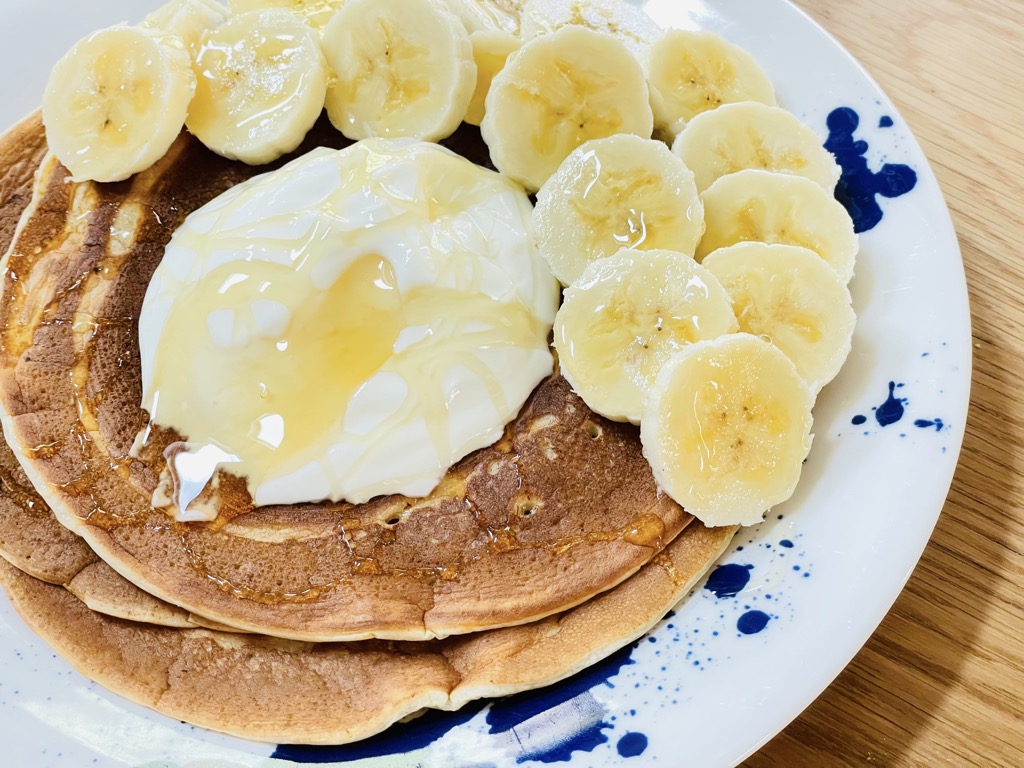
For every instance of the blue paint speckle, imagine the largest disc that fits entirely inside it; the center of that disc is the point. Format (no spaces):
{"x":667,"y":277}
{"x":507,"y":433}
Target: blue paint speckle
{"x":786,"y":543}
{"x":858,"y":420}
{"x":858,"y":185}
{"x":550,"y":724}
{"x":891,"y":411}
{"x":885,"y":122}
{"x":632,"y":744}
{"x":929,"y":424}
{"x":554,"y":721}
{"x":401,"y":737}
{"x":752,"y":622}
{"x":728,"y":580}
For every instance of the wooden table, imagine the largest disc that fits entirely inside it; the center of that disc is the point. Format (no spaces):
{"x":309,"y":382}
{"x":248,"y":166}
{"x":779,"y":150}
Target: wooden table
{"x":942,"y":680}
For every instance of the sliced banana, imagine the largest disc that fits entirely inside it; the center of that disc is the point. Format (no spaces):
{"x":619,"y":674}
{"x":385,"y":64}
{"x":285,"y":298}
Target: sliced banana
{"x":790,"y":296}
{"x":627,"y":315}
{"x":622,"y":191}
{"x":612,"y":17}
{"x":761,"y":206}
{"x":190,"y":20}
{"x":402,"y":67}
{"x":116,"y":102}
{"x":491,"y":49}
{"x":726,"y":427}
{"x":555,"y":93}
{"x":693,"y":72}
{"x":261,"y":86}
{"x":482,"y":15}
{"x":316,"y":12}
{"x":735,"y":137}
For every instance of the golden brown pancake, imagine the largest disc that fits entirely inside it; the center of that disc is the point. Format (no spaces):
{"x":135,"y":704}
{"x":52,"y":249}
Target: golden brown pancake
{"x":285,"y":691}
{"x":276,"y":690}
{"x":31,"y":539}
{"x":208,"y":677}
{"x":563,"y":508}
{"x":21,"y":151}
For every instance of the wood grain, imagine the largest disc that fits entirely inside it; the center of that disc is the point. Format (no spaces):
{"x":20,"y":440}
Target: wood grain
{"x":942,"y":680}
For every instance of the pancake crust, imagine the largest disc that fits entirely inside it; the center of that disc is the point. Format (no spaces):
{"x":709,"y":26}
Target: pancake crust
{"x":562,"y":508}
{"x":284,"y":691}
{"x":31,"y":539}
{"x":21,"y":151}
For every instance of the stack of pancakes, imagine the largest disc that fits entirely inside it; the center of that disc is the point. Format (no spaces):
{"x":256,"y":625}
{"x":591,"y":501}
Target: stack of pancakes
{"x":311,"y":623}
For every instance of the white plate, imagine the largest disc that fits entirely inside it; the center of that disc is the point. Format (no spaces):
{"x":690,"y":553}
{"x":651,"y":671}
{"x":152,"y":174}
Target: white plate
{"x":823,"y":570}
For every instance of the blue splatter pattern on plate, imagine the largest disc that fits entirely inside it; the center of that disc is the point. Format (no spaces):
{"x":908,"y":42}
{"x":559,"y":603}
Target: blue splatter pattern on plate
{"x":750,"y":587}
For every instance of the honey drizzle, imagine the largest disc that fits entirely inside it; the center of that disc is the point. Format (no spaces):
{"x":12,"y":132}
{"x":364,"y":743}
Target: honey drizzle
{"x":644,"y":530}
{"x":88,"y":327}
{"x":266,"y":441}
{"x":312,"y":594}
{"x":63,"y":310}
{"x":24,"y":496}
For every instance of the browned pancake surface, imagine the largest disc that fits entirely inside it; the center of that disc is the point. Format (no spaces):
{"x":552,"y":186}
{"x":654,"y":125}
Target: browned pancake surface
{"x":285,"y":691}
{"x":562,"y":508}
{"x":21,"y":151}
{"x":31,"y":539}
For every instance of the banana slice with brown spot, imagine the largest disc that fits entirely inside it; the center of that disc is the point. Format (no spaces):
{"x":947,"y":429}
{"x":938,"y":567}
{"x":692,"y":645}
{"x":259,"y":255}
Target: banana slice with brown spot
{"x":116,"y":102}
{"x":403,"y":68}
{"x":726,"y":427}
{"x":261,"y":86}
{"x":693,"y":72}
{"x":555,"y":93}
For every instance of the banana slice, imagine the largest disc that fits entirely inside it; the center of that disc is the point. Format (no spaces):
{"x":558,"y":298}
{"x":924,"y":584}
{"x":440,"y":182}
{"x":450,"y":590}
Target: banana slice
{"x":556,"y":92}
{"x":483,"y":15}
{"x":612,"y":17}
{"x":693,"y":72}
{"x":790,"y":296}
{"x":622,"y":191}
{"x":190,"y":20}
{"x":735,"y":137}
{"x":627,"y":315}
{"x":261,"y":86}
{"x":116,"y":102}
{"x":403,"y":68}
{"x":315,"y":12}
{"x":726,"y":427}
{"x":491,"y":49}
{"x":770,"y":207}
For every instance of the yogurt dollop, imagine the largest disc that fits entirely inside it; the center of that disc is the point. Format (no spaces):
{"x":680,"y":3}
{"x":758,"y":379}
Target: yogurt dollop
{"x":348,"y":326}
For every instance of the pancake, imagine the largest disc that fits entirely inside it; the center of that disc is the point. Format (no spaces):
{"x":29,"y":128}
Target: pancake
{"x":33,"y":541}
{"x":327,"y":693}
{"x":564,"y":507}
{"x":21,"y":151}
{"x":273,"y":690}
